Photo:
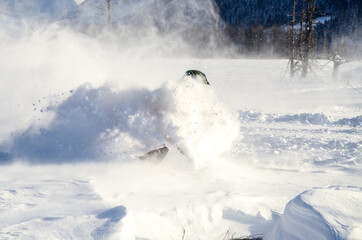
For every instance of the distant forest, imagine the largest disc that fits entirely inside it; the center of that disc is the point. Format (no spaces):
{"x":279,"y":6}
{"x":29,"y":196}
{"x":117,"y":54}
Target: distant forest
{"x":262,"y":27}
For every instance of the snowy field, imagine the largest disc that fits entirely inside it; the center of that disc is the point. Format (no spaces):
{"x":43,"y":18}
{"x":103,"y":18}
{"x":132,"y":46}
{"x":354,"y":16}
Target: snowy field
{"x":263,"y":154}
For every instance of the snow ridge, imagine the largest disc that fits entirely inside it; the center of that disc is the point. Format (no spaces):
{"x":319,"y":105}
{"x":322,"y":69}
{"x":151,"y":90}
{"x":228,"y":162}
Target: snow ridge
{"x":320,"y":214}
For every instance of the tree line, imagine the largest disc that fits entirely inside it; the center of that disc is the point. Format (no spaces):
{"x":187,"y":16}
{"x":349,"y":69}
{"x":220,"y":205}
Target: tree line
{"x":308,"y":34}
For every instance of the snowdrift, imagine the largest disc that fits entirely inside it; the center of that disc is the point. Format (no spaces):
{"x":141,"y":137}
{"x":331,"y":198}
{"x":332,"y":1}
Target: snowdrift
{"x":330,"y":214}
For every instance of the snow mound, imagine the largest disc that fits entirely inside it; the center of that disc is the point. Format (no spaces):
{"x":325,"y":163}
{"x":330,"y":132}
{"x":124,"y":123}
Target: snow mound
{"x":355,"y":122}
{"x":332,"y":213}
{"x":105,"y":123}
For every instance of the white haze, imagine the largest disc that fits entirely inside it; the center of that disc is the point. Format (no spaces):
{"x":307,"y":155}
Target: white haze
{"x":156,"y":28}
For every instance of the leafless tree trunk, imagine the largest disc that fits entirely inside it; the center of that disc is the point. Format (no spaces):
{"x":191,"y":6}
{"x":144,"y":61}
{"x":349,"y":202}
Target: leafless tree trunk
{"x":300,"y":37}
{"x":292,"y":57}
{"x":325,"y":43}
{"x":336,"y":65}
{"x":109,"y":15}
{"x":309,"y":37}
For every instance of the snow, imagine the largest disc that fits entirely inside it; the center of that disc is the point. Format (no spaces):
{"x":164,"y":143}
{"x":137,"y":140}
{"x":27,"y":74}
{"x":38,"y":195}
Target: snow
{"x":262,"y":153}
{"x":332,"y":213}
{"x":322,"y":20}
{"x":318,"y":21}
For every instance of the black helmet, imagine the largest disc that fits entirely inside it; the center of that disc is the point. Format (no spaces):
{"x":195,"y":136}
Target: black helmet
{"x":197,"y":73}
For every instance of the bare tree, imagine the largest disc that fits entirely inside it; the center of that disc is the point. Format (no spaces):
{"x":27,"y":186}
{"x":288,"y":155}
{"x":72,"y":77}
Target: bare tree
{"x":292,"y":56}
{"x":109,"y":15}
{"x":301,"y":32}
{"x":325,"y":42}
{"x":310,"y":8}
{"x":303,"y":40}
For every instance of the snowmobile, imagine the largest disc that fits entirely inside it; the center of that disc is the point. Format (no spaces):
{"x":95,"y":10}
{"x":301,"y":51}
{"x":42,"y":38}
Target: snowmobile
{"x":158,"y":154}
{"x":195,"y":74}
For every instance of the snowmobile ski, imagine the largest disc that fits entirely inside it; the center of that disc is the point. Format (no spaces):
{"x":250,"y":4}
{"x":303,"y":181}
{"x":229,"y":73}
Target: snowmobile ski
{"x":156,"y":155}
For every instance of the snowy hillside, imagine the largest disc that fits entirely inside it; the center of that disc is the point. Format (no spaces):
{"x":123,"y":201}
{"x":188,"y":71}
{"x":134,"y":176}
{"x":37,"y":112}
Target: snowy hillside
{"x":36,"y":10}
{"x":161,"y":14}
{"x":173,"y":28}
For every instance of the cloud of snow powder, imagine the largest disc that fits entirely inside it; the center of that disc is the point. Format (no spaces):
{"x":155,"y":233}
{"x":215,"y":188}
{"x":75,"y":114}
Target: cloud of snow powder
{"x":104,"y":122}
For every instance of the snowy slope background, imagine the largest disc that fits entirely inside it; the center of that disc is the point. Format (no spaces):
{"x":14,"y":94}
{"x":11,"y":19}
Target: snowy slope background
{"x":162,"y":27}
{"x":36,"y":10}
{"x":263,"y":153}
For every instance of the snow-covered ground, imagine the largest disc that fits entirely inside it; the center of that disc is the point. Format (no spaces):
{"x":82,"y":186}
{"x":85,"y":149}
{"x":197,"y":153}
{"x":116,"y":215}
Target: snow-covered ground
{"x":263,"y":154}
